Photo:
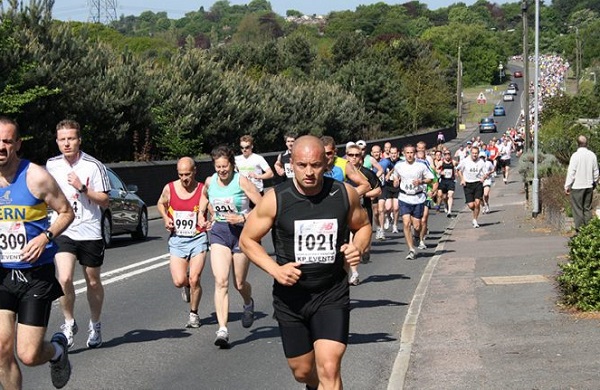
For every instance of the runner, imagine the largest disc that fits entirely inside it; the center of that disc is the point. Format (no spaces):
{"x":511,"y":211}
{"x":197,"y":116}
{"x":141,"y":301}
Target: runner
{"x":252,"y":165}
{"x":282,"y":165}
{"x":431,"y":191}
{"x":377,"y":215}
{"x":28,"y":285}
{"x":505,"y":151}
{"x":178,"y":205}
{"x":310,"y":291}
{"x":487,"y":183}
{"x":447,"y":174}
{"x":229,"y":194}
{"x":84,"y":181}
{"x":339,"y":169}
{"x":472,"y":173}
{"x":390,"y":193}
{"x":355,"y":158}
{"x":412,"y":178}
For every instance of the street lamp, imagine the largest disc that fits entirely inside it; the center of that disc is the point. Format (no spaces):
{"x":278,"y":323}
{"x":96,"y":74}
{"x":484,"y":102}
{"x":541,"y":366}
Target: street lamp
{"x":578,"y":57}
{"x":501,"y":71}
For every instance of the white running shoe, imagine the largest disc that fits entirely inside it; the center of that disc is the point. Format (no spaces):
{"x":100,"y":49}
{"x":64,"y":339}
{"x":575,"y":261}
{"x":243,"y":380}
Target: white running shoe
{"x":412,"y":254}
{"x":386,"y":223}
{"x":70,"y":330}
{"x":94,"y":335}
{"x":475,"y":224}
{"x":395,"y":229}
{"x":422,"y":245}
{"x":193,"y":321}
{"x":222,"y":339}
{"x":354,"y":280}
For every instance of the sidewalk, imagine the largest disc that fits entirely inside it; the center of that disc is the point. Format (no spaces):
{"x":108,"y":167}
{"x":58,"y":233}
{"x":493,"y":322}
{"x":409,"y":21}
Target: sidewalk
{"x":488,"y":318}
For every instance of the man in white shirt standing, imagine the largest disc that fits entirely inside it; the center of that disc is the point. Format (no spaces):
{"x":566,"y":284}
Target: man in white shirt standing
{"x":472,"y":172}
{"x":84,"y":181}
{"x":582,"y":178}
{"x":412,"y":177}
{"x":252,"y":165}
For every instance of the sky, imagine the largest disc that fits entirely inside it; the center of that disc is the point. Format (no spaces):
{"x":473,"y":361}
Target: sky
{"x":80,"y":9}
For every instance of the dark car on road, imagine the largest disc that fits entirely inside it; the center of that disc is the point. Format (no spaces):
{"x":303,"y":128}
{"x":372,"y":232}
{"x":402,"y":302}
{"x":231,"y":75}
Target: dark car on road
{"x":126,"y":214}
{"x":487,"y":124}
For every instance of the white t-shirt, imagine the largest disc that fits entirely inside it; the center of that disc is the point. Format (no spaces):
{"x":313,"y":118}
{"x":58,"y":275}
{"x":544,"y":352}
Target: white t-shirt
{"x":489,"y":168}
{"x":254,"y":163}
{"x":472,"y":171}
{"x":92,"y":173}
{"x":409,"y":193}
{"x":505,"y":151}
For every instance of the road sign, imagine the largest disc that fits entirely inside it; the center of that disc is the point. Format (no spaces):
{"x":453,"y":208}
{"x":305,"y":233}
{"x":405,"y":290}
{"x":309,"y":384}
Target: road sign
{"x":481,"y":99}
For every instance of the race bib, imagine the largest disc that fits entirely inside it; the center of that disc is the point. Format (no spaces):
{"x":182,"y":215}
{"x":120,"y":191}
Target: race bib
{"x":409,"y":188}
{"x":315,"y":241}
{"x":223,"y":206}
{"x":288,"y":170}
{"x":13,"y":239}
{"x":185,"y":223}
{"x":448,"y":173}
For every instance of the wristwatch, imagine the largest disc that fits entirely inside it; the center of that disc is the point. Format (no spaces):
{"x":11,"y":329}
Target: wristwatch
{"x":83,"y":189}
{"x":49,"y":235}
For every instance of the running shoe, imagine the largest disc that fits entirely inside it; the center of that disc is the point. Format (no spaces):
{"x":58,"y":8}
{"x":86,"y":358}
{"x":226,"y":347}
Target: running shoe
{"x":411,"y":255}
{"x":422,"y":245}
{"x":395,"y":229}
{"x":248,"y":315}
{"x":386,"y":223}
{"x":94,"y":335}
{"x":378,"y":234}
{"x":60,"y":370}
{"x":475,"y":224}
{"x":222,"y":339}
{"x":70,"y":330}
{"x":505,"y":181}
{"x":366,"y":258}
{"x":193,"y":321}
{"x":449,"y":214}
{"x":354,"y":280}
{"x":185,"y":293}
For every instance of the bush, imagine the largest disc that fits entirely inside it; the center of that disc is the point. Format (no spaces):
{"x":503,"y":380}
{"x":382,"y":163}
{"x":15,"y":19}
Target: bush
{"x":552,"y":194}
{"x":579,"y":280}
{"x":547,"y":166}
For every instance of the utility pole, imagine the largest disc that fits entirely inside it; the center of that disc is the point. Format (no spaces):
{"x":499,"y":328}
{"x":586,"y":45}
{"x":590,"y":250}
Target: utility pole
{"x":524,"y":6}
{"x":103,"y":11}
{"x":458,"y":93}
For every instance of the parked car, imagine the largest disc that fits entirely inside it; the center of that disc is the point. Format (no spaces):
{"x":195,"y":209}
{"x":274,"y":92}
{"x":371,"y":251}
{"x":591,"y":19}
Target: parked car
{"x":126,"y":214}
{"x":517,"y":74}
{"x":507,"y":97}
{"x":487,"y":124}
{"x":499,"y":110}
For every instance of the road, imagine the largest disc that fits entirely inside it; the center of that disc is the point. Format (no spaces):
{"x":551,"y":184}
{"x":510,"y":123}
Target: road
{"x":147,"y":347}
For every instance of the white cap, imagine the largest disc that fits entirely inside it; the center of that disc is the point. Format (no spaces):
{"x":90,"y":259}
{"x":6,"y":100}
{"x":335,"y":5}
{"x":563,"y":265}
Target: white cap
{"x":361,"y":143}
{"x":482,"y":154}
{"x":350,"y":144}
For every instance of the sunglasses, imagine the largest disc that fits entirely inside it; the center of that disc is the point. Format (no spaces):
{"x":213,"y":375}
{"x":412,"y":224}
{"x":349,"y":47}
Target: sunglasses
{"x":245,"y":147}
{"x":329,"y":153}
{"x":353,"y":154}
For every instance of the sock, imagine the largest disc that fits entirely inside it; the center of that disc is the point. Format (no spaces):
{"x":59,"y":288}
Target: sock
{"x":70,"y":322}
{"x":58,"y":351}
{"x":194,"y":312}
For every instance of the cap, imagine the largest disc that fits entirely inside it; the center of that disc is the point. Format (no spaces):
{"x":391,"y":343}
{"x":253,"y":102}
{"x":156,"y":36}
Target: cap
{"x":361,"y":143}
{"x":350,"y":144}
{"x":469,"y":142}
{"x":482,"y":154}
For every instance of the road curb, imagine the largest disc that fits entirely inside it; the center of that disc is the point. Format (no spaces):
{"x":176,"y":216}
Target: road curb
{"x":407,"y":335}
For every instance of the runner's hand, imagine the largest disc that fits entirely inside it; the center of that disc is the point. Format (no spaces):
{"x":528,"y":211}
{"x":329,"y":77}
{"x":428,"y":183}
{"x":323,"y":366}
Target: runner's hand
{"x":34,"y":249}
{"x":288,"y":274}
{"x":351,"y":254}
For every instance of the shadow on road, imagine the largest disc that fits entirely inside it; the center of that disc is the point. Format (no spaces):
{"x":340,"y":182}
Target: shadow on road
{"x":368,"y":338}
{"x":141,"y":336}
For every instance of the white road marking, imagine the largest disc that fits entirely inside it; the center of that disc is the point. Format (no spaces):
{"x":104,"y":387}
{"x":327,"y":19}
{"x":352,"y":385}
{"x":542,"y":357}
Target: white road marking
{"x":122,"y":276}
